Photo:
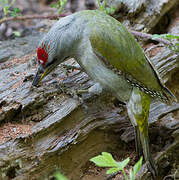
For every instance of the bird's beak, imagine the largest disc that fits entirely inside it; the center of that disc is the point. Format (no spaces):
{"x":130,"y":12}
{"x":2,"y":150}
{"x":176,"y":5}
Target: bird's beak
{"x":41,"y":73}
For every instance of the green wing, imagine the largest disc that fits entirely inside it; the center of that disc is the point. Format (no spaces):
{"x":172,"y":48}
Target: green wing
{"x":111,"y":40}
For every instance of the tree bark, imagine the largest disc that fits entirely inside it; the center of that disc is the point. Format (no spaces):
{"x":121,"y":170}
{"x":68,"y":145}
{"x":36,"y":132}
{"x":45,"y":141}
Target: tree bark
{"x":64,"y":133}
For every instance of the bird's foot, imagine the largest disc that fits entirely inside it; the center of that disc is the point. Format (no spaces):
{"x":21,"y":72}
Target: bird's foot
{"x":147,"y":171}
{"x":152,"y":168}
{"x":69,"y":68}
{"x":69,"y":91}
{"x":94,"y":89}
{"x":76,"y":94}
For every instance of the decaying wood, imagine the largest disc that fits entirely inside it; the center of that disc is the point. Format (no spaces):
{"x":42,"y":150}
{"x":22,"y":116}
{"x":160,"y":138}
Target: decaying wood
{"x":144,"y":15}
{"x":68,"y":134}
{"x":24,"y":18}
{"x":65,"y":133}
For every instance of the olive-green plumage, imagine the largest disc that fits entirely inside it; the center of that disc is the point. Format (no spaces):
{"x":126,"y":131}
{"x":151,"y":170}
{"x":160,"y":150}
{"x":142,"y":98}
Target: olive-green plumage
{"x":111,"y":56}
{"x":118,"y":46}
{"x":120,"y":50}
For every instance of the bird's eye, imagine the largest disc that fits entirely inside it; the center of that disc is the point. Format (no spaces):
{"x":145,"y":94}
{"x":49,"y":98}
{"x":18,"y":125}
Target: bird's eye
{"x":42,"y":55}
{"x":41,"y":62}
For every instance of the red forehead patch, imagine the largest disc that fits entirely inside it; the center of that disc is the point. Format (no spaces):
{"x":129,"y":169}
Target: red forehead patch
{"x":42,"y":55}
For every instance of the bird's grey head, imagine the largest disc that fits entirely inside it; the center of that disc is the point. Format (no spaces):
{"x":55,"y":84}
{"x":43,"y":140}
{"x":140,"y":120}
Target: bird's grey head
{"x":54,"y":48}
{"x":46,"y":61}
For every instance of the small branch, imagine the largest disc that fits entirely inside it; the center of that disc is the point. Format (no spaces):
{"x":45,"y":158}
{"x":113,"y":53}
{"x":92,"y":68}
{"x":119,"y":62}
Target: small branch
{"x":135,"y":33}
{"x":149,"y":36}
{"x":23,"y":18}
{"x":111,"y":176}
{"x":153,"y":47}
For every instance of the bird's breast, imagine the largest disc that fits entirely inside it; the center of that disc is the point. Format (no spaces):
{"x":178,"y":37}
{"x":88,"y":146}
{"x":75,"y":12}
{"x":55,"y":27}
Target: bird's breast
{"x":107,"y":77}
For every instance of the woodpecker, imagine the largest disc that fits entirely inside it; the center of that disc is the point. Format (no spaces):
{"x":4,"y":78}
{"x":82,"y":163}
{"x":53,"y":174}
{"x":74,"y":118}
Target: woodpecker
{"x":112,"y":57}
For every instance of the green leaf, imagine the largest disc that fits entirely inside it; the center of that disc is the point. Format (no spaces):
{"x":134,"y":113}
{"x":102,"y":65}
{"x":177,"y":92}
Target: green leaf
{"x":3,"y":2}
{"x":17,"y":33}
{"x":60,"y":5}
{"x":171,"y":36}
{"x":60,"y":176}
{"x":104,"y":160}
{"x":12,"y":2}
{"x":99,"y":4}
{"x":137,"y":166}
{"x":112,"y":170}
{"x":6,"y":10}
{"x":155,"y":36}
{"x":123,"y":164}
{"x":131,"y":174}
{"x":110,"y":10}
{"x":166,"y":36}
{"x":15,"y":12}
{"x":53,"y":5}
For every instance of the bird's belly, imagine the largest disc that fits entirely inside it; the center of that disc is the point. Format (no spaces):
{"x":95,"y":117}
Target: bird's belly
{"x":108,"y":79}
{"x":112,"y":82}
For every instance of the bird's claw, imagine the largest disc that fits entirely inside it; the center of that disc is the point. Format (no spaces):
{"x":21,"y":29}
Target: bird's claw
{"x":152,"y":168}
{"x":76,"y":95}
{"x":70,"y":67}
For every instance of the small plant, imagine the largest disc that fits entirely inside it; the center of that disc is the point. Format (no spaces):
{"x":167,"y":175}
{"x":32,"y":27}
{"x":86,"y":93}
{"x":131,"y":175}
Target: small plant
{"x":166,"y":36}
{"x":60,"y":5}
{"x":107,"y":10}
{"x":6,"y":5}
{"x":17,"y":33}
{"x":101,"y":5}
{"x":169,"y":37}
{"x":110,"y":10}
{"x":106,"y":160}
{"x":59,"y":176}
{"x":134,"y":170}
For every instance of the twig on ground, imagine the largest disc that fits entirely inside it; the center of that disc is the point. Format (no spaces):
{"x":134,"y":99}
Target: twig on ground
{"x":153,"y":47}
{"x":149,"y":36}
{"x":23,"y":18}
{"x":135,"y":33}
{"x":111,"y":176}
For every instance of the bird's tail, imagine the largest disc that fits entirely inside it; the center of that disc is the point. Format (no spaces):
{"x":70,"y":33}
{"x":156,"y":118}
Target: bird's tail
{"x":143,"y":145}
{"x":168,"y":97}
{"x":138,"y":110}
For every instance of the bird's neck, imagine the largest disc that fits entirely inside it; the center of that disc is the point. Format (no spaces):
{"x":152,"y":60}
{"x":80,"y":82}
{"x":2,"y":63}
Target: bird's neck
{"x":68,"y":41}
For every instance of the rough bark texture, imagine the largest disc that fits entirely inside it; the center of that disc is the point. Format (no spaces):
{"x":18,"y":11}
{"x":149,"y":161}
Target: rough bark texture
{"x":63,"y":133}
{"x":142,"y":15}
